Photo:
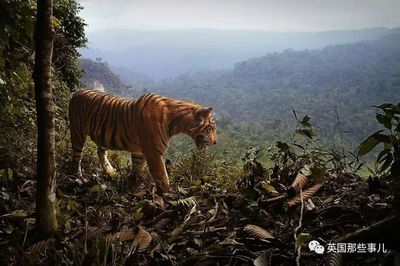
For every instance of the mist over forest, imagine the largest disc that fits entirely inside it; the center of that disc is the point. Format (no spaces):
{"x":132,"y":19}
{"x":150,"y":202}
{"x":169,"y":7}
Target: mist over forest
{"x":335,"y":77}
{"x":165,"y":54}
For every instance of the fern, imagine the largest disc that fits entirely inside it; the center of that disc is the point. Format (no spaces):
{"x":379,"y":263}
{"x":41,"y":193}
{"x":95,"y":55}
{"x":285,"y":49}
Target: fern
{"x":188,"y":202}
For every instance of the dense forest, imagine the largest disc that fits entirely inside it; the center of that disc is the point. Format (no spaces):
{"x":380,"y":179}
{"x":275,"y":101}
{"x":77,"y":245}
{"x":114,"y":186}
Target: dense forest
{"x":308,"y":150}
{"x":168,"y":53}
{"x":348,"y":79}
{"x":337,"y":86}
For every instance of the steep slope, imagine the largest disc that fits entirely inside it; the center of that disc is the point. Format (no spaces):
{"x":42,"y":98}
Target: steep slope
{"x":98,"y":73}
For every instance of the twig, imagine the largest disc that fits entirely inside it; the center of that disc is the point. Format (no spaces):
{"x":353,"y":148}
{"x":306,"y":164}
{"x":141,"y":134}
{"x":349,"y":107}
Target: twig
{"x":26,"y":232}
{"x":86,"y":234}
{"x":298,"y":248}
{"x":341,"y":138}
{"x":163,"y":248}
{"x":204,"y":234}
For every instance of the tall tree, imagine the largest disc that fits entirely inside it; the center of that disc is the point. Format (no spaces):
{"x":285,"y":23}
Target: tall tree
{"x":46,"y":168}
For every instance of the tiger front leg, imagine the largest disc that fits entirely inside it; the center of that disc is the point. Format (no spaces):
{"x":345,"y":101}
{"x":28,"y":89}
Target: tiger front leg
{"x":105,"y":164}
{"x":158,"y":172}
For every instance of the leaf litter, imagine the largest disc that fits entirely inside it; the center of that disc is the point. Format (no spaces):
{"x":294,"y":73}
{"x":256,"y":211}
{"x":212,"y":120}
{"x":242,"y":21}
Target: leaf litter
{"x":104,"y":223}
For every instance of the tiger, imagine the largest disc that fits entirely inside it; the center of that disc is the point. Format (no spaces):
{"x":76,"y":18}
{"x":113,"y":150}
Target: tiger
{"x":143,"y":127}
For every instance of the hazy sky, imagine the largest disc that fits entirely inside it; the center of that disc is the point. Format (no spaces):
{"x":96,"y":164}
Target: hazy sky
{"x":276,"y":15}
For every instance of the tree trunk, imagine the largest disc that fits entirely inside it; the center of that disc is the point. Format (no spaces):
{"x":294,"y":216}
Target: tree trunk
{"x":46,"y":167}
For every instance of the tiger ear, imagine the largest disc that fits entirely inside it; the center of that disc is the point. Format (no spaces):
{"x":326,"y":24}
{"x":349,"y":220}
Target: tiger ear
{"x":204,"y":112}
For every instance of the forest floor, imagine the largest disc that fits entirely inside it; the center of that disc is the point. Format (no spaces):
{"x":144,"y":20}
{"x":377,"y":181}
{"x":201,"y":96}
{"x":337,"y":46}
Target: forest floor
{"x":102,"y":222}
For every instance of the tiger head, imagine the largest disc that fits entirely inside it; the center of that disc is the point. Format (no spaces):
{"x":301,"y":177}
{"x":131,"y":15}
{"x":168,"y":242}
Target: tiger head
{"x":204,"y":132}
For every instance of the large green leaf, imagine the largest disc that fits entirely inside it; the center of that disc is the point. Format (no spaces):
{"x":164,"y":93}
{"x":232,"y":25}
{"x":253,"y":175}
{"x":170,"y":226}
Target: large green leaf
{"x":368,"y":144}
{"x":386,"y":121}
{"x":383,"y":138}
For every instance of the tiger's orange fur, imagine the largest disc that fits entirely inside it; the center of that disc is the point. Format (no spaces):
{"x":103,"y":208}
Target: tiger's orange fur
{"x":142,"y":127}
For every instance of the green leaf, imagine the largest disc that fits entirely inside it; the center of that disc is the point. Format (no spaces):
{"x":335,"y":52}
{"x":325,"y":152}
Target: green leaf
{"x":269,"y":188}
{"x":305,"y":122}
{"x":301,"y":239}
{"x":29,"y":28}
{"x":98,"y":188}
{"x":384,"y":106}
{"x":387,"y":146}
{"x":384,"y":120}
{"x":56,"y":22}
{"x":383,"y":138}
{"x":139,"y":215}
{"x":9,"y":173}
{"x":318,"y":173}
{"x":306,"y":170}
{"x":368,"y":144}
{"x":308,"y":132}
{"x":299,"y":146}
{"x":67,"y":225}
{"x":282,"y":146}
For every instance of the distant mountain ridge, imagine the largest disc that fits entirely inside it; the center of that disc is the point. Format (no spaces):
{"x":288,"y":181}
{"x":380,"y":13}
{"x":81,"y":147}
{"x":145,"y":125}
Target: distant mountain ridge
{"x":347,"y":78}
{"x":166,"y":54}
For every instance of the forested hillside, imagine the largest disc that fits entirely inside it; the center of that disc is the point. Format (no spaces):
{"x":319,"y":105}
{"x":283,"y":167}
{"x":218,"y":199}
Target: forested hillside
{"x":168,"y":53}
{"x":348,"y":78}
{"x":95,"y":72}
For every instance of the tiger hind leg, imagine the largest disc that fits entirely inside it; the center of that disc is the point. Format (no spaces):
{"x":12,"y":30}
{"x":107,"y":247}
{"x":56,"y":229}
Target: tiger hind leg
{"x":158,"y":171}
{"x":136,"y":175}
{"x":137,"y":162}
{"x":105,"y":164}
